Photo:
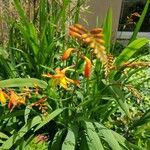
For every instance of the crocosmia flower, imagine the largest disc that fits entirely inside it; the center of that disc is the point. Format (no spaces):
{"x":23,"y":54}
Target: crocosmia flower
{"x":67,"y":53}
{"x":61,"y":79}
{"x":87,"y":67}
{"x":15,"y":100}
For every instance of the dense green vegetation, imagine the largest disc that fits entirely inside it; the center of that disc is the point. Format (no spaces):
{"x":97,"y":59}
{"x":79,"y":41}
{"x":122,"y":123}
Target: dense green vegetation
{"x":63,"y":86}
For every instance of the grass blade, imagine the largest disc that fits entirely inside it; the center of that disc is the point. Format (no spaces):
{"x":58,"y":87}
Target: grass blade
{"x":107,"y":29}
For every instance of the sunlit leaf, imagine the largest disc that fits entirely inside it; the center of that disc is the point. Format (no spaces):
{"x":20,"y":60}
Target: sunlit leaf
{"x":23,"y":82}
{"x":92,"y":139}
{"x":130,"y":50}
{"x":69,"y":142}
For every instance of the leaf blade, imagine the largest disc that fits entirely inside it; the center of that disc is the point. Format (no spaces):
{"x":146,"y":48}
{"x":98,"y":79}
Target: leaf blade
{"x":23,"y":82}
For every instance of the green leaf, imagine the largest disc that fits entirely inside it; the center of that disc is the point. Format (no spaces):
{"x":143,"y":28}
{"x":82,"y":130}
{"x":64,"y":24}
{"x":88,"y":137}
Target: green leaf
{"x":139,"y":24}
{"x":130,"y":50}
{"x":107,"y":135}
{"x":26,"y":113}
{"x":69,"y":142}
{"x":3,"y":53}
{"x":107,"y":29}
{"x":120,"y":98}
{"x":92,"y":138}
{"x":119,"y":138}
{"x":12,"y":114}
{"x":1,"y":141}
{"x":49,"y":118}
{"x":144,"y":119}
{"x":21,"y":12}
{"x":23,"y":82}
{"x":18,"y":135}
{"x":57,"y":141}
{"x":3,"y":136}
{"x":125,"y":143}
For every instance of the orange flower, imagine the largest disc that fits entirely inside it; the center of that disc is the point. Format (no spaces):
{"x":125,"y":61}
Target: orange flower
{"x":3,"y":97}
{"x":87,"y":68}
{"x":15,"y":100}
{"x":77,"y":30}
{"x":60,"y":78}
{"x":67,"y":53}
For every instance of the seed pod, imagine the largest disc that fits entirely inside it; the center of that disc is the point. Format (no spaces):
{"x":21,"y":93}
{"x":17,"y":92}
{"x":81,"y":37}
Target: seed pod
{"x":46,"y":108}
{"x":80,"y":27}
{"x":74,"y":29}
{"x":45,"y":114}
{"x":100,"y":35}
{"x":88,"y":40}
{"x":96,"y":31}
{"x":83,"y":36}
{"x":40,"y":108}
{"x":92,"y":45}
{"x":74,"y":34}
{"x":100,"y":41}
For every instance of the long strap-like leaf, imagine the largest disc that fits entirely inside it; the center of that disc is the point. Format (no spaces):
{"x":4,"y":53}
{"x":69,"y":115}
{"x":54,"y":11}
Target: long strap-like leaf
{"x":23,"y":82}
{"x":139,"y":24}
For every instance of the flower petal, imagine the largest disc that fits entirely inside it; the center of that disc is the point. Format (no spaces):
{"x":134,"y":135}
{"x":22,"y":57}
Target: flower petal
{"x":87,"y":68}
{"x":2,"y":97}
{"x":67,"y":53}
{"x":63,"y":83}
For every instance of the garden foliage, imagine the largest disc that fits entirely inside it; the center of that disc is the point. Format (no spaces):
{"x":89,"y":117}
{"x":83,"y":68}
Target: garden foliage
{"x":62,"y":87}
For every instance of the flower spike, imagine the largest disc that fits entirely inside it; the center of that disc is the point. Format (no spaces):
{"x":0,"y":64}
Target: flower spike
{"x":94,"y":38}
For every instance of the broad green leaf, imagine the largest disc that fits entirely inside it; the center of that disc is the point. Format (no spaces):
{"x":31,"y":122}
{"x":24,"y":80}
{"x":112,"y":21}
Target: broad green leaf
{"x":139,"y":24}
{"x":23,"y":82}
{"x":18,"y":135}
{"x":130,"y":50}
{"x":92,"y":138}
{"x":125,"y":143}
{"x":69,"y":142}
{"x":107,"y":135}
{"x":49,"y":118}
{"x":83,"y":144}
{"x":107,"y":29}
{"x":3,"y":136}
{"x":57,"y":141}
{"x":119,"y":138}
